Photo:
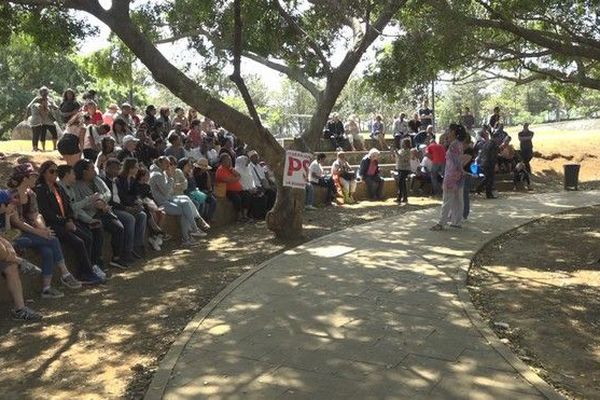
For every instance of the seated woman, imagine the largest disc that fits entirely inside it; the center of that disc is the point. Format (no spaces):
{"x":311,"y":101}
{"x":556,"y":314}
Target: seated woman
{"x":162,"y":185}
{"x":156,"y":215}
{"x":191,"y":190}
{"x":132,"y":218}
{"x":108,"y":151}
{"x":66,"y":176}
{"x":228,"y":176}
{"x":35,"y":234}
{"x":179,"y":177}
{"x":344,"y":178}
{"x":9,"y":266}
{"x":506,"y":156}
{"x":119,"y":131}
{"x":130,"y":200}
{"x":90,"y":191}
{"x":369,"y":172}
{"x":55,"y":208}
{"x":203,"y":179}
{"x":378,"y":132}
{"x":256,"y":199}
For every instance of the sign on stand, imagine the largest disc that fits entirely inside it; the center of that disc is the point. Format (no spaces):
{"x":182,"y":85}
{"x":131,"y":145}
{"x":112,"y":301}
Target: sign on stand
{"x":295,"y":173}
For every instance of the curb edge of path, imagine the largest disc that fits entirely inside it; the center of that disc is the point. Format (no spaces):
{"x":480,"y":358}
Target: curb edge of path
{"x":545,"y":388}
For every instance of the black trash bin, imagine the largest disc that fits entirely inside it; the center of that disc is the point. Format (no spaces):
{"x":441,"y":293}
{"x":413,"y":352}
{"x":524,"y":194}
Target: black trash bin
{"x":571,"y":176}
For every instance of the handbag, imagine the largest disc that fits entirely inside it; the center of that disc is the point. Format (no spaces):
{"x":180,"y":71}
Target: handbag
{"x":197,"y":196}
{"x":348,"y":175}
{"x":221,"y":189}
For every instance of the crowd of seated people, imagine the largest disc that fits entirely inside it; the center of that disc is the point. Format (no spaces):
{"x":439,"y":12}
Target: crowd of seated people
{"x":421,"y":158}
{"x":121,"y":175}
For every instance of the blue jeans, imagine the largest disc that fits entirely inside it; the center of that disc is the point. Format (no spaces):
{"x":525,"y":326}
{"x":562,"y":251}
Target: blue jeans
{"x":466,"y":194}
{"x":309,"y":199}
{"x":135,"y":229}
{"x":209,"y":207}
{"x":187,"y":223}
{"x":49,"y":249}
{"x":436,"y":171}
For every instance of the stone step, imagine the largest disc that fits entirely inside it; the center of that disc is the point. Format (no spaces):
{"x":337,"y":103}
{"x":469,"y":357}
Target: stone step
{"x":325,"y":145}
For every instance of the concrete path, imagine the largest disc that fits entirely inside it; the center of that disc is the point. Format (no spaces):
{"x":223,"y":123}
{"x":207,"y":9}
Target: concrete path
{"x":378,"y":311}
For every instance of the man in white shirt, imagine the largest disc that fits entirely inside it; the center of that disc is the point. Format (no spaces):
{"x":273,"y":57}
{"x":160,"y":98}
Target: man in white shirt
{"x":260,"y":179}
{"x":317,"y":177}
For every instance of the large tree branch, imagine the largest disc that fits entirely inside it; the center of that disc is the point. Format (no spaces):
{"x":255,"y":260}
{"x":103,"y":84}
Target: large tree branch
{"x":578,"y":76}
{"x":309,"y":40}
{"x":236,"y":77}
{"x":538,"y":37}
{"x":72,"y":4}
{"x":294,"y":74}
{"x":339,"y":77}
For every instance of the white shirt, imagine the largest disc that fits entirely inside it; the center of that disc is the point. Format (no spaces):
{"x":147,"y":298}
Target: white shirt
{"x":115,"y":192}
{"x":193,"y":153}
{"x":258,"y":174}
{"x":315,"y":171}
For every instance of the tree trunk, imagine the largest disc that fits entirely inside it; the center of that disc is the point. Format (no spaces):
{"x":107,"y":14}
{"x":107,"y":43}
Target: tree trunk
{"x":285,"y":219}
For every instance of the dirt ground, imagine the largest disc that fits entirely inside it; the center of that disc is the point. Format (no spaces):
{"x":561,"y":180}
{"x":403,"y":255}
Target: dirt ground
{"x":105,"y":343}
{"x":543,"y":280}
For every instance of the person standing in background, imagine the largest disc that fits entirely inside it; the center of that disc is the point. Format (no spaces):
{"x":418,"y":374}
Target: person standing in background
{"x":525,"y":139}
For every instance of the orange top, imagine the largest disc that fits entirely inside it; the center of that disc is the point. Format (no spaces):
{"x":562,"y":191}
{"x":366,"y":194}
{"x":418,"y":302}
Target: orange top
{"x":59,"y":201}
{"x":224,"y":174}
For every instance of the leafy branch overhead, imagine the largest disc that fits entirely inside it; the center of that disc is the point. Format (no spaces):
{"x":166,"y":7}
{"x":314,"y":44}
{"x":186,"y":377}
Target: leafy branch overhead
{"x":518,"y":41}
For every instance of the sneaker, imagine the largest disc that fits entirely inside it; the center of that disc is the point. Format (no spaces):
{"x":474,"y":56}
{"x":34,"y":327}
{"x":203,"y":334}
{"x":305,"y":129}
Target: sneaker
{"x":159,"y":240}
{"x":51,"y":293}
{"x":70,"y":282}
{"x":136,"y":255}
{"x":91,"y":279}
{"x":165,"y":238}
{"x":437,"y":227}
{"x":26,"y":314}
{"x":118,"y":263}
{"x":153,"y":241}
{"x":198,"y":234}
{"x":310,"y":208}
{"x":28,"y":268}
{"x":99,"y":272}
{"x":187,"y":243}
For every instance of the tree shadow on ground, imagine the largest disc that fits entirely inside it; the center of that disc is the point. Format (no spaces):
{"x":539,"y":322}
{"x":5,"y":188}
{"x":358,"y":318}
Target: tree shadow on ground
{"x":105,"y":342}
{"x":543,"y":279}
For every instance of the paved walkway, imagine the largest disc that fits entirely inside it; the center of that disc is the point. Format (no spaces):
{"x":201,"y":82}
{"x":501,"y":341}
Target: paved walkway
{"x":378,"y":311}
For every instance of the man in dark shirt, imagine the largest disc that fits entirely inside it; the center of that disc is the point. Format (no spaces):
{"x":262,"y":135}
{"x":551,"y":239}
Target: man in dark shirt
{"x":487,"y":161}
{"x":495,"y":118}
{"x":426,"y":114}
{"x":467,"y":119}
{"x":525,"y":138}
{"x":336,"y":131}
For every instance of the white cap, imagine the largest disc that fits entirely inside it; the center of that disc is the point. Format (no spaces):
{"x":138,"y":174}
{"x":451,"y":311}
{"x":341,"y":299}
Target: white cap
{"x":129,"y":138}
